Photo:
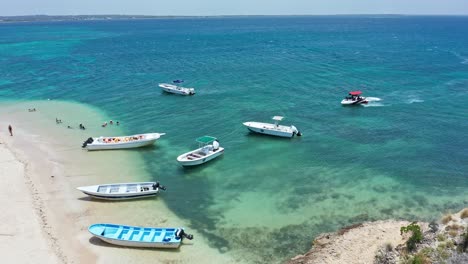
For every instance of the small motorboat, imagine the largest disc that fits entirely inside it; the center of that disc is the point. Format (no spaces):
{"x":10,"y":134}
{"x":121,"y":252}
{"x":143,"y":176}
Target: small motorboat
{"x":135,"y":236}
{"x":122,"y":142}
{"x":273,"y":129}
{"x":208,"y":149}
{"x":173,"y":88}
{"x":122,"y":191}
{"x":354,"y":98}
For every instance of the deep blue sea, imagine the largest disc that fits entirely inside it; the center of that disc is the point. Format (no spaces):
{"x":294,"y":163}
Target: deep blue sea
{"x":405,"y":156}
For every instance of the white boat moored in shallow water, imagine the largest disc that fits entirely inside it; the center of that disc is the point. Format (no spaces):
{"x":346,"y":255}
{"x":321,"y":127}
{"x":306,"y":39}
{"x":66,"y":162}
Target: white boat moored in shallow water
{"x":273,"y":129}
{"x":172,"y":88}
{"x":136,"y":236}
{"x":209,"y":149}
{"x":122,"y":191}
{"x":122,"y":142}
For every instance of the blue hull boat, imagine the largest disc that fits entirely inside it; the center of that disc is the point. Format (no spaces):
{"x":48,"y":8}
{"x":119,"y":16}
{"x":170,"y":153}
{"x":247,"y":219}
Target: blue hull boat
{"x":135,"y":236}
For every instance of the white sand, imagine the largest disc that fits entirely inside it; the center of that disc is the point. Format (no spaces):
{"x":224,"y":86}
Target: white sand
{"x":48,"y":164}
{"x":22,"y":232}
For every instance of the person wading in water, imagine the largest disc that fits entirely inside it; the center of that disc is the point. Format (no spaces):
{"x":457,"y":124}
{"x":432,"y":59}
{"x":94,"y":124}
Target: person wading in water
{"x":10,"y":129}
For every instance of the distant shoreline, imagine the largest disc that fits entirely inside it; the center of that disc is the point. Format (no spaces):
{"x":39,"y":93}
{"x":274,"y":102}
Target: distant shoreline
{"x":58,"y":18}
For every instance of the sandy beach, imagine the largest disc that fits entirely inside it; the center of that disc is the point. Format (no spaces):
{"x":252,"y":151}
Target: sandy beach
{"x":47,"y":218}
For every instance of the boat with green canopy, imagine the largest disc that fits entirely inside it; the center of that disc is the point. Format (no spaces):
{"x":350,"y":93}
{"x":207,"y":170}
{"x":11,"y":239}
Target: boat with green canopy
{"x":207,"y":150}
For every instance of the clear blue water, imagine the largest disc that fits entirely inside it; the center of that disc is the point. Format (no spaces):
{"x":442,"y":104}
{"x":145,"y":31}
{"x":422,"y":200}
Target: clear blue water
{"x":264,"y":200}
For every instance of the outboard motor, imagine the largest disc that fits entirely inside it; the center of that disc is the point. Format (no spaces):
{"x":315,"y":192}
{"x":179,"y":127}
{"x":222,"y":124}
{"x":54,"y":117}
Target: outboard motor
{"x":157,"y":185}
{"x":179,"y":234}
{"x":88,"y":141}
{"x":295,"y":131}
{"x":215,"y":145}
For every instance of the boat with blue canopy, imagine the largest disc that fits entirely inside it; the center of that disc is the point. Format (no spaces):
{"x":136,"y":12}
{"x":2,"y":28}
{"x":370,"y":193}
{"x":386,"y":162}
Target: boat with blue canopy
{"x":136,"y":236}
{"x":207,"y":150}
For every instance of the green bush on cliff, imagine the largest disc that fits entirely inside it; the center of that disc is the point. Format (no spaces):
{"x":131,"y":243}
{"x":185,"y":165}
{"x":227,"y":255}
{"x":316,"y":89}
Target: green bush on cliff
{"x":416,"y":235}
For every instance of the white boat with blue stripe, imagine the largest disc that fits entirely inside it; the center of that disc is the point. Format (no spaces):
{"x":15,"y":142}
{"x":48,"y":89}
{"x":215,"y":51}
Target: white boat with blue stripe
{"x":135,"y":236}
{"x":123,"y":191}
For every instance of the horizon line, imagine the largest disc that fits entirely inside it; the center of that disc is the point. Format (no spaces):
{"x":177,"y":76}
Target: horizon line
{"x":252,"y":15}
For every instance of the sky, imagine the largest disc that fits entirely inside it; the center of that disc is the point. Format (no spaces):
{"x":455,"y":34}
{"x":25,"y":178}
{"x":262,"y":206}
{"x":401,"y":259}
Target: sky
{"x":231,"y":7}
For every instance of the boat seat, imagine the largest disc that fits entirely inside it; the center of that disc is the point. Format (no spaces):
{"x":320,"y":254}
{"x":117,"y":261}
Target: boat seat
{"x":138,"y":237}
{"x":149,"y":238}
{"x":117,"y":234}
{"x":162,"y":235}
{"x":127,"y":236}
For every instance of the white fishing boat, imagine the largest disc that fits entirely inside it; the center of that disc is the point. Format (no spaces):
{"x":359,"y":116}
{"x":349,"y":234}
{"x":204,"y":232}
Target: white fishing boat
{"x":136,"y":236}
{"x":354,"y":98}
{"x":208,"y":149}
{"x":122,"y":142}
{"x":273,"y":129}
{"x":121,"y":191}
{"x":173,"y":88}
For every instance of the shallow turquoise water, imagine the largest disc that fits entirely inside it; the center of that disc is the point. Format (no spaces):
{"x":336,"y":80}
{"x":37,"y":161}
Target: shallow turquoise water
{"x":403,"y":157}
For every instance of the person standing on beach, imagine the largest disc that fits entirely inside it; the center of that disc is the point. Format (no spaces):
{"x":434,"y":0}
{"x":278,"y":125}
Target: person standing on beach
{"x":10,"y":129}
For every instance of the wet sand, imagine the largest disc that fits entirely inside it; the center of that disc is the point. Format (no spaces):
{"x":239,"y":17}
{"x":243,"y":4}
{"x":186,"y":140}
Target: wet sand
{"x":45,"y":161}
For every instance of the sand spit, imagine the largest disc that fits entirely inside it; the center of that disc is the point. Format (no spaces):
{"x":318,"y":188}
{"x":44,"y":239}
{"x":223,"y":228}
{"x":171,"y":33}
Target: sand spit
{"x":48,"y":220}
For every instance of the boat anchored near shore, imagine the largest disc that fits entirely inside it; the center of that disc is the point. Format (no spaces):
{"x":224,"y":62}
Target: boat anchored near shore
{"x":273,"y":129}
{"x":123,"y":191}
{"x":173,"y":88}
{"x":136,"y":236}
{"x":122,"y":142}
{"x":208,"y":149}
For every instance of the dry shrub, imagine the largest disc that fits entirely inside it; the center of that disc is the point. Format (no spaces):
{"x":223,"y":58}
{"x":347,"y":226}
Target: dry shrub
{"x":441,"y":237}
{"x":446,"y":219}
{"x":453,"y":233}
{"x":421,"y":258}
{"x":388,"y":246}
{"x":464,"y":213}
{"x":455,"y":227}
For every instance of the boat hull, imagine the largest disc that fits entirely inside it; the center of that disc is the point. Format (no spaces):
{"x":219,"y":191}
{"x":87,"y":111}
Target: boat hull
{"x":268,"y":129}
{"x":139,"y":244}
{"x":346,"y":102}
{"x":194,"y":162}
{"x":149,"y":140}
{"x":108,"y":146}
{"x":134,"y":236}
{"x":169,"y":88}
{"x":121,"y":197}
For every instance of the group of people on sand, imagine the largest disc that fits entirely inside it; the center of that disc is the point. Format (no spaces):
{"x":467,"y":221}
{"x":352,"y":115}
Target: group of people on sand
{"x":110,"y":123}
